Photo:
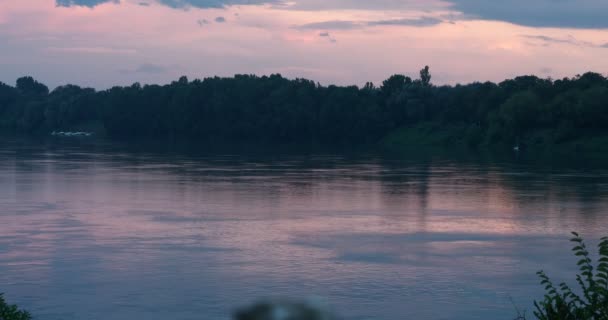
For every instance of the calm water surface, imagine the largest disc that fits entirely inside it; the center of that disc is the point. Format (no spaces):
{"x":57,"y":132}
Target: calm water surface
{"x":97,"y":231}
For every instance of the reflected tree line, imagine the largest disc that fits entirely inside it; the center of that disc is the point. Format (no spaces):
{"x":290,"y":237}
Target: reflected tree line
{"x":413,"y":183}
{"x":526,"y":109}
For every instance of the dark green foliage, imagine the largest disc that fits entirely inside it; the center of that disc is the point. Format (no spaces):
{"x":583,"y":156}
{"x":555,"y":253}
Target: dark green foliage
{"x":425,"y":76}
{"x":30,"y":87}
{"x":526,"y":110}
{"x":591,"y":301}
{"x":12,"y":312}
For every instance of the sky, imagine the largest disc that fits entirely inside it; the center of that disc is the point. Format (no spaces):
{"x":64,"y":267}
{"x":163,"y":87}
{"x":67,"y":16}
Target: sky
{"x":102,"y":43}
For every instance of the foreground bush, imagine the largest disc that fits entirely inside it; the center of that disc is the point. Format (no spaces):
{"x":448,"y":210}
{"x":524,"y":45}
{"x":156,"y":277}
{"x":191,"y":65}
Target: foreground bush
{"x":285,"y":310}
{"x":12,"y":312}
{"x":590,"y":302}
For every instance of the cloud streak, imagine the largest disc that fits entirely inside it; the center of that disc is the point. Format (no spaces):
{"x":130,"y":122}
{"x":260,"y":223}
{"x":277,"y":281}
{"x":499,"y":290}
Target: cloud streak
{"x":328,"y":37}
{"x":92,"y":50}
{"x":150,"y":68}
{"x":176,"y":4}
{"x":349,"y":25}
{"x":204,"y":4}
{"x":366,"y":5}
{"x":331,"y":25}
{"x":416,"y":22}
{"x":82,"y":3}
{"x":146,"y":68}
{"x":570,"y":40}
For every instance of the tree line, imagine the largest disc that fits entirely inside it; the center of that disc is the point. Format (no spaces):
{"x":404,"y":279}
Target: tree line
{"x":275,"y":109}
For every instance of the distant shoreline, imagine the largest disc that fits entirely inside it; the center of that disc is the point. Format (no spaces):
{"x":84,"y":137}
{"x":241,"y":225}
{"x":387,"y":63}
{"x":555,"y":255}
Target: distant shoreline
{"x":522,"y":114}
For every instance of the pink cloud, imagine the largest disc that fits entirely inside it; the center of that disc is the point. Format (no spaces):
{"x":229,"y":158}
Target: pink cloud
{"x":99,"y":42}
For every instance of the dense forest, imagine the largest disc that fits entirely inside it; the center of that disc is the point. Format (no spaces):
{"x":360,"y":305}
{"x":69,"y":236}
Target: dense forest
{"x":526,"y":110}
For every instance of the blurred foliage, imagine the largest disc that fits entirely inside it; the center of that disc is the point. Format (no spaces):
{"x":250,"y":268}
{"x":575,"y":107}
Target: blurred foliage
{"x":284,"y":310}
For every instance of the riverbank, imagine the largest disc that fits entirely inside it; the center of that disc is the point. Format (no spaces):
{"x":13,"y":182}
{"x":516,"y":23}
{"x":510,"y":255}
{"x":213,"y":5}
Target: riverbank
{"x":461,"y":137}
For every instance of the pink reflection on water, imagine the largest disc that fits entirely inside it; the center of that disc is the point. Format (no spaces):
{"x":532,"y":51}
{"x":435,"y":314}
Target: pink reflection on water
{"x":359,"y":232}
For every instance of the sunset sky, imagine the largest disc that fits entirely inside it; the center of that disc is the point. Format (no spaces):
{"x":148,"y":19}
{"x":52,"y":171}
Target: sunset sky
{"x":100,"y":43}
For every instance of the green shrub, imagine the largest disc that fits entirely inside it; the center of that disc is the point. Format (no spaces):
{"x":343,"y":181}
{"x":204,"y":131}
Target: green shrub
{"x":591,"y":302}
{"x":12,"y":312}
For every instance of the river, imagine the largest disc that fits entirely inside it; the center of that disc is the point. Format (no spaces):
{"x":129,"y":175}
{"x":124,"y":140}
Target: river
{"x":94,"y":230}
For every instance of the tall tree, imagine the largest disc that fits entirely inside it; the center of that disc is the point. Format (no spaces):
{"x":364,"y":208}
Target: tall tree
{"x":425,"y":76}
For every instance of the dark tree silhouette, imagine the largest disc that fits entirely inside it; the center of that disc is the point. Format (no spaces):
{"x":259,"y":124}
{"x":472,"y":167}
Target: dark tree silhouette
{"x":425,"y":76}
{"x":275,"y":109}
